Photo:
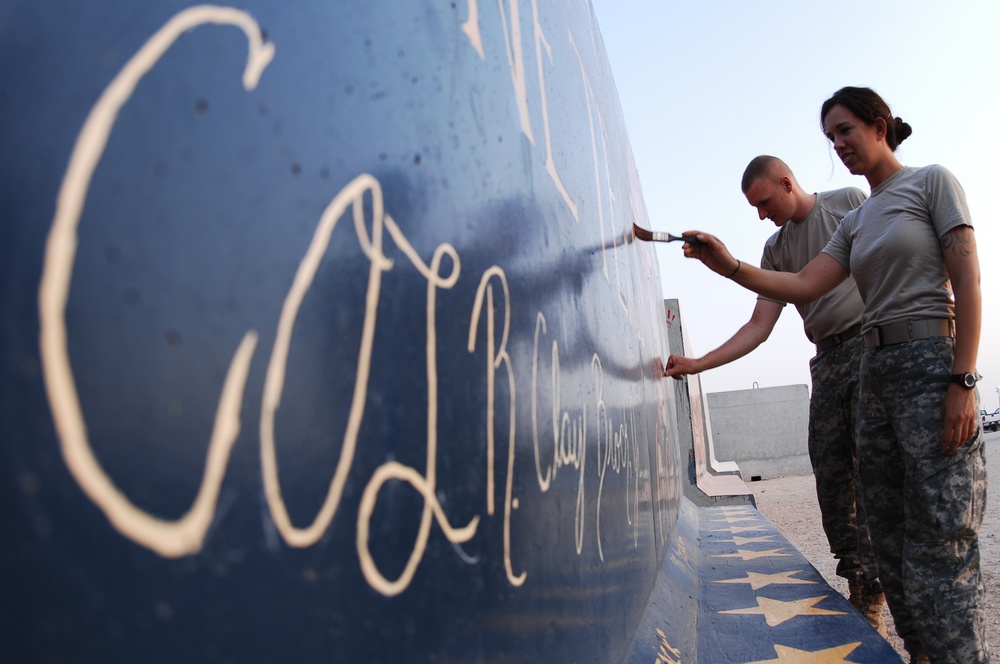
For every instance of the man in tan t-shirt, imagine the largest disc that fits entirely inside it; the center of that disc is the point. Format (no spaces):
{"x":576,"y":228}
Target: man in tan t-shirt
{"x":805,"y":224}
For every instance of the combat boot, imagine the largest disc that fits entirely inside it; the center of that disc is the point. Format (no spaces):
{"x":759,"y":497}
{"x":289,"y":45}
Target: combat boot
{"x":920,"y":658}
{"x":869,"y":600}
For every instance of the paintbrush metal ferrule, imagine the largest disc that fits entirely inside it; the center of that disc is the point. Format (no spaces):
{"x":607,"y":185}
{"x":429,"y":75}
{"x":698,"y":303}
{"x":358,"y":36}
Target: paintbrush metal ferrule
{"x":651,"y":236}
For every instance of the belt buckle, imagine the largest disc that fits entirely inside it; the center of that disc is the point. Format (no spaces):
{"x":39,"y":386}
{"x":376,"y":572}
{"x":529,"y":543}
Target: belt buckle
{"x":873,"y":337}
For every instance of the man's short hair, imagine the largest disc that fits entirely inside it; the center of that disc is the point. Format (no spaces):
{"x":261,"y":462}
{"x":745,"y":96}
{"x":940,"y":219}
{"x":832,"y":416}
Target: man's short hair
{"x":764,"y":165}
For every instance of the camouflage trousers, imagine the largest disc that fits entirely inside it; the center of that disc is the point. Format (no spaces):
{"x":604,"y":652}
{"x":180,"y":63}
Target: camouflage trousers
{"x":924,"y":509}
{"x":833,"y":454}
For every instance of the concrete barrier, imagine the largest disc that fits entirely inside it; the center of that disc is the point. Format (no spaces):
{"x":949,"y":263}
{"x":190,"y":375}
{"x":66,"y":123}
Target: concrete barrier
{"x":326,"y":339}
{"x":710,"y":481}
{"x":765,"y":430}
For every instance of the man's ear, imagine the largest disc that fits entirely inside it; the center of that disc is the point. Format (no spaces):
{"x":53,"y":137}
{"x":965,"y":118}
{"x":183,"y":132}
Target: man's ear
{"x":786,"y":184}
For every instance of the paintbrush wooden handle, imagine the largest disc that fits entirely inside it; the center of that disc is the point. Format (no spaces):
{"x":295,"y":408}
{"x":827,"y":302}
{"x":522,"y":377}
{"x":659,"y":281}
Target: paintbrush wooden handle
{"x":690,"y":239}
{"x":667,"y":237}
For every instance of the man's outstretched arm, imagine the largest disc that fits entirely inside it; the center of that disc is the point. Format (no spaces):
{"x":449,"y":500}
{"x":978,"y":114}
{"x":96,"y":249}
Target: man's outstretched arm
{"x":752,"y":334}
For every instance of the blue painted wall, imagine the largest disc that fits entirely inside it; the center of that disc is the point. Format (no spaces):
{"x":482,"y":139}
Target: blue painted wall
{"x":324,"y":336}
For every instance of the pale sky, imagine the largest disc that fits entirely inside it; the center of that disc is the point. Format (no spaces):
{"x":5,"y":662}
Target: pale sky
{"x":705,"y":87}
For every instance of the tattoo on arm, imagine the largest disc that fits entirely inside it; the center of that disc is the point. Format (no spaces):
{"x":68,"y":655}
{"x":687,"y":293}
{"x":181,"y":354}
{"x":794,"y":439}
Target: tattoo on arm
{"x":957,"y":242}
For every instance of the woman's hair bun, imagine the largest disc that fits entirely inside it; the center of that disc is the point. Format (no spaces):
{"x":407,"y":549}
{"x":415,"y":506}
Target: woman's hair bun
{"x":902,"y":130}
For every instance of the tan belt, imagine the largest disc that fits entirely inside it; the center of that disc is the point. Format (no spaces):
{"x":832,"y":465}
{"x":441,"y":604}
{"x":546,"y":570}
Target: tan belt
{"x":837,"y":339}
{"x":911,"y":330}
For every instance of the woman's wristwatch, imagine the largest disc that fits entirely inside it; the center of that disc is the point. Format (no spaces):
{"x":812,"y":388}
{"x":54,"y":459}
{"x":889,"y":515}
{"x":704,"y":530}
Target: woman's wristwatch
{"x":967,"y":380}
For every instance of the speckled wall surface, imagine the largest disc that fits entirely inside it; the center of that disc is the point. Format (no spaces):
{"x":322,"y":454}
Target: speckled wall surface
{"x":324,"y":336}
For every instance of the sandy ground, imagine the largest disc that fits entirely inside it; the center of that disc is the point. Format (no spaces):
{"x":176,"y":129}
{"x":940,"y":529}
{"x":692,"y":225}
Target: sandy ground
{"x":790,"y":504}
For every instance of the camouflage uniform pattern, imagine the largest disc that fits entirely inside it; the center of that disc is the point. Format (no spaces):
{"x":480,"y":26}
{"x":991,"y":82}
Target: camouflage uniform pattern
{"x":832,"y":451}
{"x":924,"y":509}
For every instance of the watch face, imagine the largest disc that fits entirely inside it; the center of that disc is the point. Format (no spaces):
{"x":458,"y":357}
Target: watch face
{"x":966,"y":380}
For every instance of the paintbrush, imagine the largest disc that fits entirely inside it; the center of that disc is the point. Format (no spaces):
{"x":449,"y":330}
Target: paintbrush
{"x":650,"y":236}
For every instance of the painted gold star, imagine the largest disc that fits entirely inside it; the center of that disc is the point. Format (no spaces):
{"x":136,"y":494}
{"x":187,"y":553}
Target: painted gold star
{"x":753,"y":555}
{"x":776,"y":612}
{"x":734,"y":519}
{"x":739,"y":529}
{"x":758,"y":581}
{"x":680,"y":561}
{"x":829,"y":656}
{"x":680,"y":556}
{"x":740,"y":541}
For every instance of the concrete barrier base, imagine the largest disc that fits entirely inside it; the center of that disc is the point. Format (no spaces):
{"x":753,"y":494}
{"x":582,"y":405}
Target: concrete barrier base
{"x":733,"y":589}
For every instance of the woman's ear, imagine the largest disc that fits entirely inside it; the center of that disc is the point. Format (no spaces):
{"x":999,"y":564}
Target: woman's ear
{"x":881,"y":128}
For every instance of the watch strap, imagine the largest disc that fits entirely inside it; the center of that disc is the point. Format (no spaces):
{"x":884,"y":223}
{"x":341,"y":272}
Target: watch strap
{"x":967,"y":380}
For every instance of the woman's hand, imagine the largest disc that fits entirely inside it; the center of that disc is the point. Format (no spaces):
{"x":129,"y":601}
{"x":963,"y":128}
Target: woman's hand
{"x":960,"y":418}
{"x":711,"y":252}
{"x":961,"y":260}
